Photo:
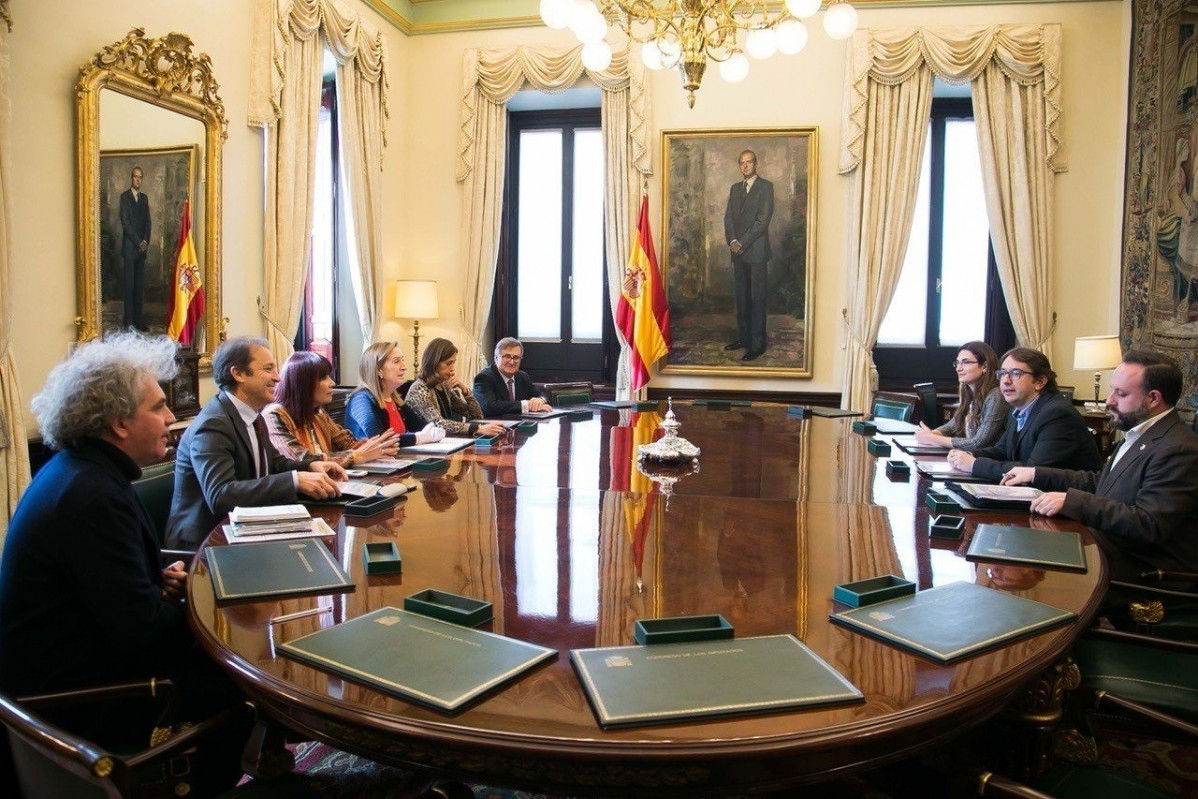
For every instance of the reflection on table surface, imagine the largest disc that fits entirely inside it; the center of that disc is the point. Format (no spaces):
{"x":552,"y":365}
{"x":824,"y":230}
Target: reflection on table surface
{"x":573,"y":565}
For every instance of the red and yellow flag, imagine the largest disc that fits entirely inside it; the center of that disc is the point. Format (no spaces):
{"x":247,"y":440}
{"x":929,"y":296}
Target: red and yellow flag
{"x":643,"y":315}
{"x":186,"y":303}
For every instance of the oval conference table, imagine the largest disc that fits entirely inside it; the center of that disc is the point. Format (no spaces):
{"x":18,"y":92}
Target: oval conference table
{"x":572,"y":544}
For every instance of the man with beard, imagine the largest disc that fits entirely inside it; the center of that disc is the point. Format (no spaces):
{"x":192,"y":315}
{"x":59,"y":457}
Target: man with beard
{"x":1144,"y":500}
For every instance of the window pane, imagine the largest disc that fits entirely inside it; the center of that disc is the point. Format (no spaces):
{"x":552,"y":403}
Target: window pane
{"x":539,"y":255}
{"x":906,"y":319}
{"x":587,"y":296}
{"x":966,"y":238}
{"x":323,"y":224}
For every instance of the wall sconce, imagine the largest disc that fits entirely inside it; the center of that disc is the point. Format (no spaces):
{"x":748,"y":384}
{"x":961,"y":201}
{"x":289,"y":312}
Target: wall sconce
{"x":416,"y":300}
{"x":1097,"y":353}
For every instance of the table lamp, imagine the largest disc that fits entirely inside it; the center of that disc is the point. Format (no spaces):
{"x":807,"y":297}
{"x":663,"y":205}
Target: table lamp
{"x":416,"y":300}
{"x":1097,"y":353}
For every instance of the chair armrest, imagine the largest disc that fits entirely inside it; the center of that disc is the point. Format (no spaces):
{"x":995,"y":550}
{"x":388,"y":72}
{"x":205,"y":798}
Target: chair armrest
{"x":188,"y":737}
{"x":171,"y":555}
{"x":1121,"y":636}
{"x":1156,"y":590}
{"x":991,"y":784}
{"x":1104,"y":701}
{"x":1159,"y":575}
{"x":145,"y":689}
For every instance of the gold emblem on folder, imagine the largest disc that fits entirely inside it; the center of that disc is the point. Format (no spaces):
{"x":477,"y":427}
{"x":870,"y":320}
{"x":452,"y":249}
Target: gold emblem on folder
{"x":617,"y":660}
{"x":387,"y":621}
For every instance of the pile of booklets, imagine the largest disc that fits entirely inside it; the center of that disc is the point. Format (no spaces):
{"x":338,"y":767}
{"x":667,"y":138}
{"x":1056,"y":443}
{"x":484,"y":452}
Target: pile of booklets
{"x":255,"y":524}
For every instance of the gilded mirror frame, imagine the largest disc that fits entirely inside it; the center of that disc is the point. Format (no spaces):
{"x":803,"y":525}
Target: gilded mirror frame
{"x":164,"y":73}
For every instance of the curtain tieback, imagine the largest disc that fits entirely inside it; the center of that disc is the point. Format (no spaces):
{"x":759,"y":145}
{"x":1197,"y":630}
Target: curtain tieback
{"x":1039,"y":345}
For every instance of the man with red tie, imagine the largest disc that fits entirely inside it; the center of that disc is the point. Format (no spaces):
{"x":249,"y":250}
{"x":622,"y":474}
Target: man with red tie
{"x":225,"y":457}
{"x":503,"y":387}
{"x":1143,"y":502}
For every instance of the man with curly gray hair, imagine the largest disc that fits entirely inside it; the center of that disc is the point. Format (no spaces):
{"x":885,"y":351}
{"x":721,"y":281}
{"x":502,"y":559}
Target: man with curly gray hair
{"x":83,"y":598}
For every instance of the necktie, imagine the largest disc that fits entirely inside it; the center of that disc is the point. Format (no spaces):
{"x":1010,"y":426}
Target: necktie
{"x":746,"y":187}
{"x":511,"y":389}
{"x":1020,"y":418}
{"x":260,"y":432}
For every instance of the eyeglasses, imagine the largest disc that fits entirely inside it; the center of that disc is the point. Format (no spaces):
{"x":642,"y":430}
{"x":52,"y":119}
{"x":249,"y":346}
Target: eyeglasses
{"x":512,"y":358}
{"x":964,"y":363}
{"x":1014,"y":374}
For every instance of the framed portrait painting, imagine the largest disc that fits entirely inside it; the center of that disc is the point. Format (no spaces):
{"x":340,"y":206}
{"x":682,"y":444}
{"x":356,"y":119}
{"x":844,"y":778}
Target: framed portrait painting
{"x":139,"y":236}
{"x":738,"y":249}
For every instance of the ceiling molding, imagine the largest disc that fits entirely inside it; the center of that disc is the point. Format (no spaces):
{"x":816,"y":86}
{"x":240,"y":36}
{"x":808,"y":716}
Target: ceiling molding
{"x":421,"y":17}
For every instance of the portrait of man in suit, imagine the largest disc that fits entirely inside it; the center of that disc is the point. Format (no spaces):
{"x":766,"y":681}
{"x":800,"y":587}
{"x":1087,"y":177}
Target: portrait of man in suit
{"x":747,"y":231}
{"x":135,"y":241}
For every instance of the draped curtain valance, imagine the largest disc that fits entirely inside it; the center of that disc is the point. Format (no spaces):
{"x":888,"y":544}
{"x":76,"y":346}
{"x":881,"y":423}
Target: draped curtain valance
{"x":1026,"y":54}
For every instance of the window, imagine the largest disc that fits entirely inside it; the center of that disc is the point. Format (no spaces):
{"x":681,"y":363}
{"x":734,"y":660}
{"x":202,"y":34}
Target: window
{"x":551,"y":285}
{"x":948,"y":292}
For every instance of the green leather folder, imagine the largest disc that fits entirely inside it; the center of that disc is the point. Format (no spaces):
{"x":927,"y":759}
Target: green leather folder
{"x":1055,"y":549}
{"x":953,"y":621}
{"x":274,"y":568}
{"x":636,"y":685}
{"x":434,"y":663}
{"x":833,"y":413}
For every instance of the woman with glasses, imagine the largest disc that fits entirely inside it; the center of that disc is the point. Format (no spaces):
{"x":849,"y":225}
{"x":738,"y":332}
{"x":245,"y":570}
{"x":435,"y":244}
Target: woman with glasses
{"x":376,"y":407}
{"x":440,"y":396}
{"x":981,"y":413}
{"x":299,"y":426}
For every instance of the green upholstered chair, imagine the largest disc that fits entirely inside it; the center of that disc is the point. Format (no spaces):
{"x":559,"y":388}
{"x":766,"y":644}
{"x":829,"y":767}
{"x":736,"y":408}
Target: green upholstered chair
{"x":1066,"y":781}
{"x":562,"y":394}
{"x":155,"y":488}
{"x":1128,"y":670}
{"x":929,"y":408}
{"x":893,"y":409}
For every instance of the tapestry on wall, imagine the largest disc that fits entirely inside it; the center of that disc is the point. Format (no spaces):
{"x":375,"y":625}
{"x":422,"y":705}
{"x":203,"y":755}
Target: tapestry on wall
{"x":1160,"y":218}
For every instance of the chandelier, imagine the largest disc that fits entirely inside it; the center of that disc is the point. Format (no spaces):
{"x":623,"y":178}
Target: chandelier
{"x":688,"y":33}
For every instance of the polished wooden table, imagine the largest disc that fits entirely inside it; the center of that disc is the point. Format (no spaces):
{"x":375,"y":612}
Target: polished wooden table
{"x":572,"y":544}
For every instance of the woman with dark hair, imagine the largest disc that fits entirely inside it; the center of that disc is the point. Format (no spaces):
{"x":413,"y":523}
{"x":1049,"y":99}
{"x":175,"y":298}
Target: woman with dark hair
{"x":299,"y":425}
{"x":981,"y":413}
{"x":440,"y":396}
{"x":375,"y":406}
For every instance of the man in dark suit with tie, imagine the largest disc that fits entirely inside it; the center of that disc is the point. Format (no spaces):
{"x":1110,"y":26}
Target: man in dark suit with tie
{"x":225,"y":457}
{"x":135,"y":241}
{"x":1044,"y":429}
{"x":746,"y":229}
{"x":1144,"y":501}
{"x":503,"y":387}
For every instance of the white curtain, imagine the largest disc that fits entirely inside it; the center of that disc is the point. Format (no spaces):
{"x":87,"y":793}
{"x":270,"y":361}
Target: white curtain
{"x":1015,"y":72}
{"x":285,"y":85}
{"x":14,"y":452}
{"x":490,"y":79}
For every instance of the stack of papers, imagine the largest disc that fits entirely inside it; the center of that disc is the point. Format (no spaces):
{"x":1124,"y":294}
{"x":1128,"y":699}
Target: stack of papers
{"x":385,"y":465}
{"x":273,"y":523}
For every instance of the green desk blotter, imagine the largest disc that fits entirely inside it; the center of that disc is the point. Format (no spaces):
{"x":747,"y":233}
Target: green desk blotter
{"x":940,"y":503}
{"x":363,"y":507}
{"x":381,"y":557}
{"x":798,"y":411}
{"x":865,"y":428}
{"x":583,"y":413}
{"x":453,"y":608}
{"x":947,"y":527}
{"x":875,"y":589}
{"x":878,"y":447}
{"x":721,"y":404}
{"x":681,"y":629}
{"x":429,"y":464}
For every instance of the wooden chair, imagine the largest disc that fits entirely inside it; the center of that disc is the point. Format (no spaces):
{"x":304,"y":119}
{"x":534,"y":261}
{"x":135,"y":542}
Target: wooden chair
{"x":562,"y":394}
{"x":929,"y":409}
{"x":52,"y":762}
{"x":893,"y":409}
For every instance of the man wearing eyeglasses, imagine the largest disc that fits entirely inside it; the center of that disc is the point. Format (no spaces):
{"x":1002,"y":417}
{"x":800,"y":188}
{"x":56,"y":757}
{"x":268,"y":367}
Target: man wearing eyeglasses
{"x":1144,"y":501}
{"x":1044,"y":428}
{"x":504,"y":388}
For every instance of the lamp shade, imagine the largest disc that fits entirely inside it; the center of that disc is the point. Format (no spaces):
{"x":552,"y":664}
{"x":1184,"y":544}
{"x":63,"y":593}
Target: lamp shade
{"x":1097,"y":352}
{"x":416,"y":299}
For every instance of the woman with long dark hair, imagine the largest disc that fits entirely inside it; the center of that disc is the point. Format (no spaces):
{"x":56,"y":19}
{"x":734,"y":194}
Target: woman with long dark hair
{"x":299,"y":426}
{"x":981,"y":413}
{"x":440,"y":396}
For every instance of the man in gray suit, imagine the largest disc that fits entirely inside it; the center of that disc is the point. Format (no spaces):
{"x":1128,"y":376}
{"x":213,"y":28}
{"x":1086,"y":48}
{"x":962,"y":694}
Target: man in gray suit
{"x":225,"y":457}
{"x":135,"y":241}
{"x":1144,"y":500}
{"x":746,"y":229}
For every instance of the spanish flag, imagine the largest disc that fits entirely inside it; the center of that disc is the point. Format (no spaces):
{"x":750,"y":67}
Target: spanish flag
{"x":186,"y":304}
{"x":639,"y":501}
{"x":643,"y":315}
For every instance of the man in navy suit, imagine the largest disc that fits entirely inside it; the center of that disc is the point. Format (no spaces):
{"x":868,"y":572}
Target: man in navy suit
{"x":1044,"y":428}
{"x":1144,"y":500}
{"x":135,"y":240}
{"x":746,"y":229}
{"x":225,"y":457}
{"x":503,"y":387}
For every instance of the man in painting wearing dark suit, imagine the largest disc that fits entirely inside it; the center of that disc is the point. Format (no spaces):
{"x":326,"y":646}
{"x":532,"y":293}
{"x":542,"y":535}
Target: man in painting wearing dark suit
{"x":225,"y":458}
{"x":1144,"y":500}
{"x":746,"y":229}
{"x":503,"y":387}
{"x":1044,"y":428}
{"x":135,"y":240}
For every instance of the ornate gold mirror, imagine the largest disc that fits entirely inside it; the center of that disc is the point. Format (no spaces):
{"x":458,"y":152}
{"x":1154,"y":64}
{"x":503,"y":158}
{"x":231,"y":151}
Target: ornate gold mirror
{"x":150,"y":129}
